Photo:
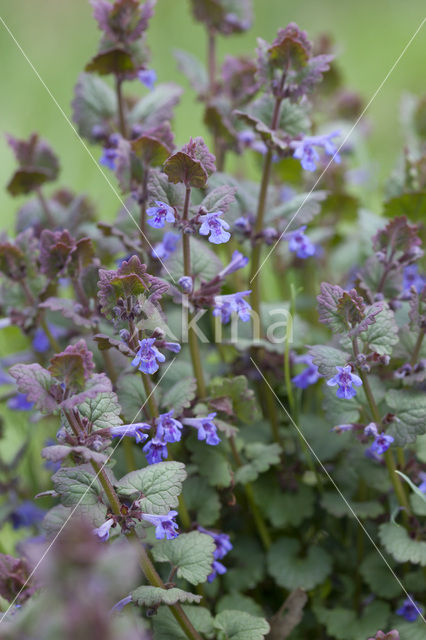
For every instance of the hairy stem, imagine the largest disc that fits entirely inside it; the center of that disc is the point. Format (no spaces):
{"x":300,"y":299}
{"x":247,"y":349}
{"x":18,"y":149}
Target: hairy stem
{"x":142,"y":222}
{"x":261,"y":527}
{"x":120,"y":102}
{"x":144,"y":559}
{"x":150,"y":399}
{"x":417,"y":348}
{"x":388,"y":455}
{"x":194,"y":347}
{"x":45,"y":206}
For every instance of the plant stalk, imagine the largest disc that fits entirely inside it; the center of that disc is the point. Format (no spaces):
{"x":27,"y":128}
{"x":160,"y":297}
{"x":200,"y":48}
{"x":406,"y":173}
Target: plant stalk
{"x":120,"y":102}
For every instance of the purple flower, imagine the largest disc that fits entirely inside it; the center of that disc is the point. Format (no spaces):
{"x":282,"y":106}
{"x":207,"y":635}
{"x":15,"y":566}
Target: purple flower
{"x":217,"y":569}
{"x":223,"y":545}
{"x":131,"y":431}
{"x":148,"y":356}
{"x":108,"y":158}
{"x":168,"y":429}
{"x":410,"y":610}
{"x":215,"y":226}
{"x":186,"y":284}
{"x":242,"y":224}
{"x":304,"y":150}
{"x":371,"y":430}
{"x":41,"y":342}
{"x":345,"y":380}
{"x":160,"y":214}
{"x":422,"y":478}
{"x":233,"y":302}
{"x":172,"y":346}
{"x":412,"y":278}
{"x":340,"y":428}
{"x":206,"y":428}
{"x":238,"y":261}
{"x":300,"y":244}
{"x":148,"y":77}
{"x":381,"y":443}
{"x":167,"y":246}
{"x":26,"y":515}
{"x":246,"y":137}
{"x":165,"y":527}
{"x":155,"y":450}
{"x":310,"y":375}
{"x":122,"y":603}
{"x":19,"y":402}
{"x":103,"y":531}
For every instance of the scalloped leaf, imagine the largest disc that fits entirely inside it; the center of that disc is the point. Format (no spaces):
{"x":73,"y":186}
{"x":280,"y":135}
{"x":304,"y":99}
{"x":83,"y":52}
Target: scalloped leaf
{"x":292,"y":571}
{"x":95,"y":103}
{"x":191,"y":553}
{"x":35,"y":382}
{"x":262,"y":457}
{"x":156,"y":487}
{"x":381,"y":335}
{"x":151,"y":596}
{"x":409,"y":407}
{"x":397,"y":542}
{"x":343,"y":624}
{"x":166,"y":627}
{"x":378,"y":577}
{"x":239,"y":625}
{"x":76,"y":486}
{"x":103,"y":411}
{"x":180,"y":395}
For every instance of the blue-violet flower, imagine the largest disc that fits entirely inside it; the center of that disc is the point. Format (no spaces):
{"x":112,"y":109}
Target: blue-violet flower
{"x":160,"y":214}
{"x":217,"y":228}
{"x":345,"y":380}
{"x":165,"y":527}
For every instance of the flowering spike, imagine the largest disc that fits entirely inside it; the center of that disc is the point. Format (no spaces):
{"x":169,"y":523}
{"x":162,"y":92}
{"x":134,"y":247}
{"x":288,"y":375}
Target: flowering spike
{"x":233,"y":302}
{"x":300,"y":244}
{"x":238,"y":261}
{"x":155,"y":450}
{"x":168,"y":428}
{"x":131,"y":431}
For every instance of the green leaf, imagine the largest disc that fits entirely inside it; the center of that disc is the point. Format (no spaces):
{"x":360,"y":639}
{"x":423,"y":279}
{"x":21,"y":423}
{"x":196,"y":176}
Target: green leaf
{"x":95,"y":103}
{"x":191,"y":553}
{"x":102,"y":411}
{"x":180,"y":396}
{"x":284,"y":508}
{"x":414,"y":487}
{"x":247,"y":565}
{"x":205,"y":264}
{"x":244,"y":403}
{"x":262,"y":457}
{"x":166,"y":627}
{"x":240,"y":602}
{"x":410,"y":630}
{"x":156,"y":106}
{"x":328,"y":358}
{"x":382,"y":335}
{"x":343,"y":624}
{"x":334,"y":504}
{"x":211,"y":464}
{"x":239,"y":625}
{"x":156,"y":487}
{"x":193,"y":69}
{"x":398,"y":543}
{"x":378,"y":577}
{"x":76,"y":485}
{"x":305,"y":205}
{"x":292,"y":571}
{"x":180,"y":167}
{"x":418,"y":504}
{"x":150,"y":596}
{"x":411,"y":205}
{"x":409,"y":407}
{"x":35,"y":382}
{"x":219,"y":198}
{"x":202,"y":499}
{"x":59,"y":516}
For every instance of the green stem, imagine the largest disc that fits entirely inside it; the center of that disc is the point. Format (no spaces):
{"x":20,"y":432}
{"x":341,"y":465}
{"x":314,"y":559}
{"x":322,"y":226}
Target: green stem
{"x":143,"y":229}
{"x":194,"y":347}
{"x":120,"y":102}
{"x":388,"y":455}
{"x":417,"y":348}
{"x":262,"y":529}
{"x":150,"y":398}
{"x":54,"y":343}
{"x":47,"y":212}
{"x":144,"y":559}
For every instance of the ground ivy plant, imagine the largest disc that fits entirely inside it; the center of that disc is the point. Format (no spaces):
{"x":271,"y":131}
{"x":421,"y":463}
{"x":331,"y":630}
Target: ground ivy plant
{"x":227,"y":382}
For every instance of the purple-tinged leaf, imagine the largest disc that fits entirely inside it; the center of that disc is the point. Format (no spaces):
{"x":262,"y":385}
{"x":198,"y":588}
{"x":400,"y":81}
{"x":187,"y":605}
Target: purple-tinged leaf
{"x":94,"y":106}
{"x":180,"y":167}
{"x":398,"y":241}
{"x":328,"y":307}
{"x":124,"y":20}
{"x":68,"y":309}
{"x":291,"y":48}
{"x":56,"y":248}
{"x":14,"y":574}
{"x":74,"y":366}
{"x":114,"y":60}
{"x":58,"y":453}
{"x":36,"y":382}
{"x":223,"y":16}
{"x":105,"y":342}
{"x":37,"y":164}
{"x":99,"y":383}
{"x":417,"y":311}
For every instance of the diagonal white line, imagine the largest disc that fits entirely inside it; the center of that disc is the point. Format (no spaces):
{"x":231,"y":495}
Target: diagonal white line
{"x":341,"y":494}
{"x":348,"y":135}
{"x":82,"y":497}
{"x":114,"y":190}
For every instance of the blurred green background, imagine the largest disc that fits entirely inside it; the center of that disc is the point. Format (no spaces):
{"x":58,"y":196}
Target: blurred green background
{"x":59,"y":36}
